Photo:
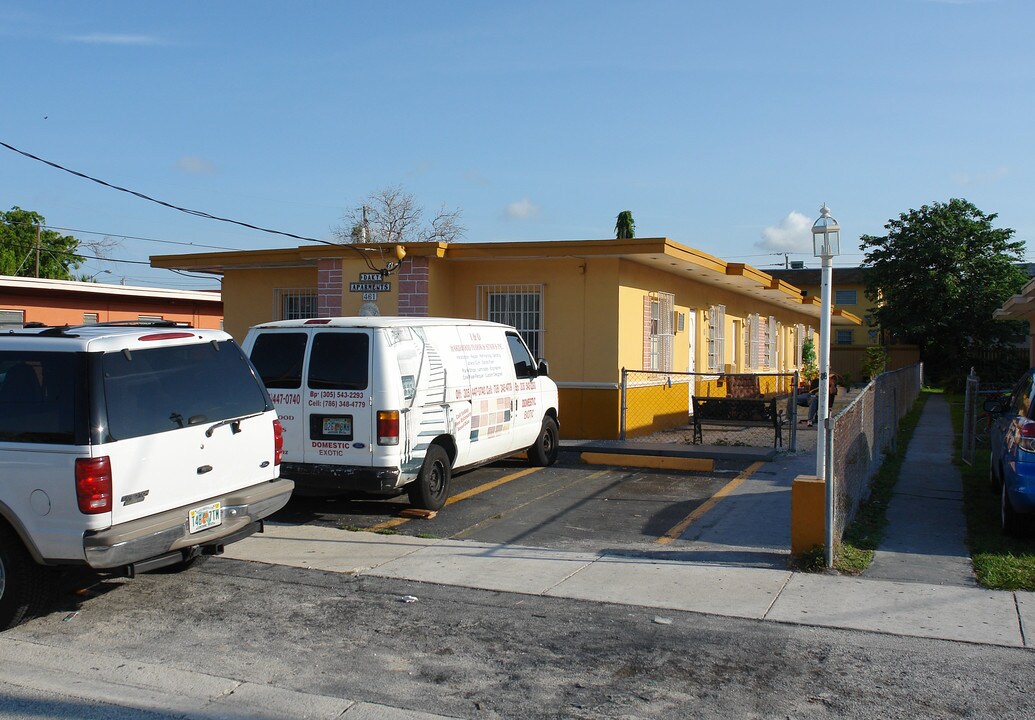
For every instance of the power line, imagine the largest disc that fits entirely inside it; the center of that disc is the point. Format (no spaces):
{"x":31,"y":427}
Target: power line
{"x":196,"y":213}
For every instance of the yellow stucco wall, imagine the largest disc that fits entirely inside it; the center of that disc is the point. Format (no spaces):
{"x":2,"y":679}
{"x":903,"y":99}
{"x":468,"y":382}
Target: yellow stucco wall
{"x":248,"y":294}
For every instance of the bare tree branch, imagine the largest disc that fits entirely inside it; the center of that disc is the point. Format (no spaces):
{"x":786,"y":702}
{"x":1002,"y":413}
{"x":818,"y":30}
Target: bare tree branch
{"x":392,"y":216}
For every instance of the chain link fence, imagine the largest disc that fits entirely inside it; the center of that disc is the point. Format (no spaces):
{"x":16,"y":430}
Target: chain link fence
{"x":756,"y":409}
{"x":976,"y":422}
{"x":862,"y":433}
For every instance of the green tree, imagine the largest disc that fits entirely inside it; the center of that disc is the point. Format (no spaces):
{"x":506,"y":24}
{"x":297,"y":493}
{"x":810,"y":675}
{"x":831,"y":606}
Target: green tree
{"x":937,"y":277}
{"x":625,"y":226}
{"x":18,"y":243}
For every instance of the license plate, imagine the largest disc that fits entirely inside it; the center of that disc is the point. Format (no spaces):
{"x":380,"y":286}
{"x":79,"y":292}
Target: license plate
{"x":337,"y":426}
{"x":205,"y":517}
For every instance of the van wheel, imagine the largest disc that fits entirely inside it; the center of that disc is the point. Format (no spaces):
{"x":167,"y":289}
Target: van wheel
{"x":547,"y":445}
{"x":22,"y":582}
{"x":431,"y":488}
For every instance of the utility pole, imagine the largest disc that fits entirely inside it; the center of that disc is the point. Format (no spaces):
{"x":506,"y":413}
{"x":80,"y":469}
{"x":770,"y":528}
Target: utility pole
{"x":37,"y":250}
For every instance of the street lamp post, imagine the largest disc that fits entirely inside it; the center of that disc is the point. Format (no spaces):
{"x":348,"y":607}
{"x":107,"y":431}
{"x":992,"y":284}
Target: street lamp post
{"x":826,"y":244}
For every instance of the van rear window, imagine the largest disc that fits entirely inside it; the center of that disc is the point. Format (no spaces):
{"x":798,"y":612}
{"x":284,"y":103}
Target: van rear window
{"x":278,"y":358}
{"x":42,"y":398}
{"x":159,"y":389}
{"x":339,"y":361}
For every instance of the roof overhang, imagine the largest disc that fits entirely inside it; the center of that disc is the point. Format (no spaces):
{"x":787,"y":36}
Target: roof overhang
{"x":38,"y":286}
{"x":1020,"y":306}
{"x":662,"y":254}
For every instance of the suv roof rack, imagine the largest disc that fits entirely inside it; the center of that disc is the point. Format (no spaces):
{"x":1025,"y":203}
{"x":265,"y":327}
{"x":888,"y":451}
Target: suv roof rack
{"x":66,"y":330}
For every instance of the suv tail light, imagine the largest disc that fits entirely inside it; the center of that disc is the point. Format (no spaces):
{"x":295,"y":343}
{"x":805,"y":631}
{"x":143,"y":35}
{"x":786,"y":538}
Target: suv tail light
{"x":1026,"y":439}
{"x":387,"y":427}
{"x":93,"y":484}
{"x":278,"y":442}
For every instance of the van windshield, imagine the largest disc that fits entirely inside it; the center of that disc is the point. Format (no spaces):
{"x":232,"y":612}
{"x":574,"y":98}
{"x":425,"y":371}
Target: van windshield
{"x":155,"y":390}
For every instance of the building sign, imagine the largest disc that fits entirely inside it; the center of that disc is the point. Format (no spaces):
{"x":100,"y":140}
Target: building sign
{"x":367,"y":287}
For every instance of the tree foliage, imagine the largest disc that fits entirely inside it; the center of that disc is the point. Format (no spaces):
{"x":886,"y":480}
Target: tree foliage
{"x":937,"y":277}
{"x":18,"y":233}
{"x":625,"y":226}
{"x":392,"y":216}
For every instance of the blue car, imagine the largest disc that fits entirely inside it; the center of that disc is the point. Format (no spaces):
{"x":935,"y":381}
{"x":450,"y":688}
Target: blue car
{"x":1012,"y":467}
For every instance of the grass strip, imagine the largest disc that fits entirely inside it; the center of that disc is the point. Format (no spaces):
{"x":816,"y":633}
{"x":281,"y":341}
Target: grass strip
{"x":866,"y":531}
{"x":1000,"y":562}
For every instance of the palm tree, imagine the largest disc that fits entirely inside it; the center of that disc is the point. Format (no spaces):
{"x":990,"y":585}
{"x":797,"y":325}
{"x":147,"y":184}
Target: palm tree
{"x":625,"y":226}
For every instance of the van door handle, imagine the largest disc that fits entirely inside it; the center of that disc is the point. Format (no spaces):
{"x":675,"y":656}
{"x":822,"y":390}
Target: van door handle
{"x":204,"y":469}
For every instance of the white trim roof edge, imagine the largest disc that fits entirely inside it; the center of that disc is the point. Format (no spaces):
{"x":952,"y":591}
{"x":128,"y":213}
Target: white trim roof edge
{"x":46,"y":284}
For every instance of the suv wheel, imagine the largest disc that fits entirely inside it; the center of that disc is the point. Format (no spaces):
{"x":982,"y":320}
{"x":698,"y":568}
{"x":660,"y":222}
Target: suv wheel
{"x":22,"y":581}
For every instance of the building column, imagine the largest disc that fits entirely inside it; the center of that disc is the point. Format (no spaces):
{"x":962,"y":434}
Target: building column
{"x":413,"y":286}
{"x":328,"y":287}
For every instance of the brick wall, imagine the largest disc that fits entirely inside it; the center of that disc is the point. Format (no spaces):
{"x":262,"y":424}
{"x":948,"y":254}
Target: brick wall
{"x":329,"y":287}
{"x":413,"y":287}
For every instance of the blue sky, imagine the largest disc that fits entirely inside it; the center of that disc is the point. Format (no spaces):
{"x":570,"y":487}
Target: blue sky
{"x":722,"y":125}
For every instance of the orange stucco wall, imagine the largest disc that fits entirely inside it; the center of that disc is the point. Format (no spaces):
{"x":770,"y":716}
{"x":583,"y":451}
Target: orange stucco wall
{"x":61,"y":309}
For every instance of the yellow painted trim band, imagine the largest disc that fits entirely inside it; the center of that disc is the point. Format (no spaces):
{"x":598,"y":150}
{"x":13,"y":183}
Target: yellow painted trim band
{"x":648,"y":461}
{"x":708,"y":504}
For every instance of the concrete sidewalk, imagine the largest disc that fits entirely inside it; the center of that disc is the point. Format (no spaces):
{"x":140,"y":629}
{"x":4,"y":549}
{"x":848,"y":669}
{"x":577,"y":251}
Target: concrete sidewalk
{"x":730,"y":561}
{"x":902,"y":608}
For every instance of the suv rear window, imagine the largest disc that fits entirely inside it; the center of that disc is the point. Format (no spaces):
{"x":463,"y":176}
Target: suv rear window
{"x":155,"y":390}
{"x":41,"y":397}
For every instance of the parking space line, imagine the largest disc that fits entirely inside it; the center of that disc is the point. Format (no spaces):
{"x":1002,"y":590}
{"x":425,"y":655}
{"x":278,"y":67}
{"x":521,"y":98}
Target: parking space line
{"x":708,"y":504}
{"x":395,"y":522}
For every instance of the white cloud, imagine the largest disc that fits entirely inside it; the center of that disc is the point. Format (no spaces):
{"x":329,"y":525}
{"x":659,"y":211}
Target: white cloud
{"x":794,"y":233}
{"x":195,"y":165}
{"x":981,"y":178}
{"x":114,"y":39}
{"x":523,"y":209}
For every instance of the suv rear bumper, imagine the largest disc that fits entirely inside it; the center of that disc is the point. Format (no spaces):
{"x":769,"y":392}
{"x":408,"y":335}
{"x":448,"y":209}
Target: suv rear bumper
{"x":156,"y":535}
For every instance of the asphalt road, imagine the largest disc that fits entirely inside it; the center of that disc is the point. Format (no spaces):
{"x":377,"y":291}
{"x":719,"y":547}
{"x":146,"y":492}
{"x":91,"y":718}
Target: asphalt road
{"x":566,"y":506}
{"x":481,"y":654}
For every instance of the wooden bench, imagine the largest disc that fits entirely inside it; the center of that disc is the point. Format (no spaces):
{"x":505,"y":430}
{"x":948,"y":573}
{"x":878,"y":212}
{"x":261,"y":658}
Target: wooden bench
{"x":739,"y":412}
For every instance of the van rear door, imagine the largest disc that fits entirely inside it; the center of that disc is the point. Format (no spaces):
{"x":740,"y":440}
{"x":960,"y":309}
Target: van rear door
{"x":338,"y":418}
{"x":279,"y":357}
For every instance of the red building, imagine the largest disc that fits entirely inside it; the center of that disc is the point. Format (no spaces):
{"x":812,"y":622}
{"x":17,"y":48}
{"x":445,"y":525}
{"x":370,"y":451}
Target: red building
{"x":67,"y":302}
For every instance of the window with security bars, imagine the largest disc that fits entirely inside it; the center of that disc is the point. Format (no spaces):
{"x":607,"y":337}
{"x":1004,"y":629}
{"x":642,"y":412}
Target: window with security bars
{"x":799,"y":343}
{"x":716,"y":337}
{"x":772,"y":346}
{"x":662,"y":331}
{"x":846,"y":297}
{"x":12,"y":318}
{"x":520,"y":306}
{"x":294,"y":303}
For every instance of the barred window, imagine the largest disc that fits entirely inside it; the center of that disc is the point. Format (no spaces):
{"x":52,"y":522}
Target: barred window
{"x":662,"y":309}
{"x":771,"y":344}
{"x":12,"y":318}
{"x":520,"y":306}
{"x":716,"y":338}
{"x":294,"y":303}
{"x":843,"y":337}
{"x":846,"y":297}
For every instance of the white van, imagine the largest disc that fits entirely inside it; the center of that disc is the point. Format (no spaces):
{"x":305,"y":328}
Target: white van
{"x":379,"y":404}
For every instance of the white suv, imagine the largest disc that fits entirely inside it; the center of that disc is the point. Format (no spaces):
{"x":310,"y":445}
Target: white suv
{"x":127,"y":448}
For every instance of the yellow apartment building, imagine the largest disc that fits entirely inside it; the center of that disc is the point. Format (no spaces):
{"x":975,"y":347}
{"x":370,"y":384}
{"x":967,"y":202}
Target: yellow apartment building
{"x":590,"y":307}
{"x":848,"y":344}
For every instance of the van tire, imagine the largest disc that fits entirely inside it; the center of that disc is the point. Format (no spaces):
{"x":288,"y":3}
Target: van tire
{"x":431,"y":488}
{"x":547,"y":445}
{"x":23,"y":583}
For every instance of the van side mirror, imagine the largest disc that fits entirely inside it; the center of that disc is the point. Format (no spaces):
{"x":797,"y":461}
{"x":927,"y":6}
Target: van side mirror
{"x":543,"y":368}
